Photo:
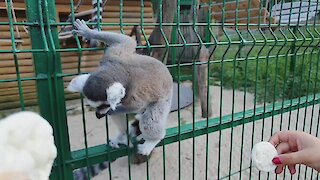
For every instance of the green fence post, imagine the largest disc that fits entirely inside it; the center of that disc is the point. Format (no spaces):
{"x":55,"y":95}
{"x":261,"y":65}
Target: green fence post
{"x":50,"y":88}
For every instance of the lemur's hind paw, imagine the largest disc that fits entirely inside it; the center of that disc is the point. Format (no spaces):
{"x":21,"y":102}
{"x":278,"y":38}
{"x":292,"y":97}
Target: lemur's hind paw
{"x":138,"y":116}
{"x":147,"y":146}
{"x":139,"y":137}
{"x":82,"y":29}
{"x":113,"y":143}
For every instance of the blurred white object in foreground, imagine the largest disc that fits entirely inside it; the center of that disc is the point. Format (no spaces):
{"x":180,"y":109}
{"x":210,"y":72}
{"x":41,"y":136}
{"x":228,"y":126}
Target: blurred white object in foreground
{"x":27,"y":148}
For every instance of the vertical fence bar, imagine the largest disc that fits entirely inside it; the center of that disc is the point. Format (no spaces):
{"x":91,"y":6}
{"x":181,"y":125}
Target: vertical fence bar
{"x":82,"y":104}
{"x":194,"y":20}
{"x":316,"y":75}
{"x":237,"y":55}
{"x":80,"y":53}
{"x":277,"y":63}
{"x":292,"y":61}
{"x":221,"y":86}
{"x":47,"y":64}
{"x":178,"y":70}
{"x":108,"y":140}
{"x":209,"y":35}
{"x":14,"y":49}
{"x":309,"y":57}
{"x":121,"y":17}
{"x":275,"y":44}
{"x":245,"y":87}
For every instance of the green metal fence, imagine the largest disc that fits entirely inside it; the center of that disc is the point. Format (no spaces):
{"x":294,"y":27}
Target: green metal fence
{"x":262,"y":70}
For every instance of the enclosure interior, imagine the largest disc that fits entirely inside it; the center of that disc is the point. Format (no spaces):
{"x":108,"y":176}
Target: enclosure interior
{"x":260,"y":76}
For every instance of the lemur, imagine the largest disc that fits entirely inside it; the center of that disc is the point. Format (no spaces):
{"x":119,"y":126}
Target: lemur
{"x":127,"y":82}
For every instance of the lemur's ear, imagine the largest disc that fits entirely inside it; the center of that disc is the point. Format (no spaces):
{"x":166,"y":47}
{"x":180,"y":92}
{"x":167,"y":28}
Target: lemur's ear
{"x":114,"y":94}
{"x":77,"y":83}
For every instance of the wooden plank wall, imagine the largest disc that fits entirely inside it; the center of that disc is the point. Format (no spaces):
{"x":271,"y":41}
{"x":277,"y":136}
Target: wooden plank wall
{"x":230,"y":8}
{"x":9,"y":94}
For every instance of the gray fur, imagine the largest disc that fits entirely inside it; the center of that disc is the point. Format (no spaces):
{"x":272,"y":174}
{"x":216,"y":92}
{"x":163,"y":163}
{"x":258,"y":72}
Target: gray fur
{"x":147,"y":81}
{"x":98,"y":81}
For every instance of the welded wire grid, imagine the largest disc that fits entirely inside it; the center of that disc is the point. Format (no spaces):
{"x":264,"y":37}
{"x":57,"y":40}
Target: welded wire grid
{"x":263,"y":76}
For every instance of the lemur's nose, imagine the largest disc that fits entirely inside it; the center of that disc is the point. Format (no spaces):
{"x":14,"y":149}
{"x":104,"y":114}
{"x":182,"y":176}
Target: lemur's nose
{"x":100,"y":109}
{"x":98,"y":115}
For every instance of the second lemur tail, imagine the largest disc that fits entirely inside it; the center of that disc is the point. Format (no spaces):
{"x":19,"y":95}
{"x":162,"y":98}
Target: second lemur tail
{"x":92,"y":171}
{"x":96,"y":18}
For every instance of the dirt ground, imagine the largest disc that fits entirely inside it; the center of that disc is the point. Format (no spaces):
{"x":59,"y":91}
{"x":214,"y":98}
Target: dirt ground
{"x":224,"y":157}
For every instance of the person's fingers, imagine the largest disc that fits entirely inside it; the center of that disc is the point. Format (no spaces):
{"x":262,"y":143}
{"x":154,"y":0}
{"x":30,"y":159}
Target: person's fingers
{"x":283,"y":147}
{"x":279,"y":169}
{"x":293,"y":158}
{"x":281,"y":136}
{"x":292,"y":169}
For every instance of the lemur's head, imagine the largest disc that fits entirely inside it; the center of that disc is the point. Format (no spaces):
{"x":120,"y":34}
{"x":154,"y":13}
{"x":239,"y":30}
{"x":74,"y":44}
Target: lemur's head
{"x":99,"y":91}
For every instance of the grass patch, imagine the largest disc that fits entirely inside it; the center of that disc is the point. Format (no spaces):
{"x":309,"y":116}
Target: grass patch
{"x":272,"y":69}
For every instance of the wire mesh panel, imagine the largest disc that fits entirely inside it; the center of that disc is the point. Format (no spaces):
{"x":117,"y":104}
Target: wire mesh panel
{"x":252,"y":67}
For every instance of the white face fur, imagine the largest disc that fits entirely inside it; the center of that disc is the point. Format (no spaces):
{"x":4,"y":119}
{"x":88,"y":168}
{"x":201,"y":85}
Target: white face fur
{"x":114,"y":94}
{"x":77,"y":83}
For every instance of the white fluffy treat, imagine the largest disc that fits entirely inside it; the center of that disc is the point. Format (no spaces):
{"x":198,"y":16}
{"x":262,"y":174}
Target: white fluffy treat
{"x":26,"y":146}
{"x":262,"y":155}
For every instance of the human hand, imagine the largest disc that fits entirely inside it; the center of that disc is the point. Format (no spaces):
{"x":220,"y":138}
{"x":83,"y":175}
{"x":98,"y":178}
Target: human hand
{"x":295,"y":147}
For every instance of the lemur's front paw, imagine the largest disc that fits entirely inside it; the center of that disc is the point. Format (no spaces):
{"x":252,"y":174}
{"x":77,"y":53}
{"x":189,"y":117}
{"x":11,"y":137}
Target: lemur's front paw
{"x":120,"y":139}
{"x":82,"y":29}
{"x":113,"y":143}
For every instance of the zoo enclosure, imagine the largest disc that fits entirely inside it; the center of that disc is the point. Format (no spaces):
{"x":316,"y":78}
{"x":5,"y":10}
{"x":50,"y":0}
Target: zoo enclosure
{"x":252,"y":48}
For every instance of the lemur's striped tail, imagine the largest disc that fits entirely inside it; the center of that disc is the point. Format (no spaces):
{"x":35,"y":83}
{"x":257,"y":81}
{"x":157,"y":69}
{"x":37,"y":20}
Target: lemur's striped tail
{"x":96,"y":18}
{"x":94,"y":170}
{"x":97,"y":13}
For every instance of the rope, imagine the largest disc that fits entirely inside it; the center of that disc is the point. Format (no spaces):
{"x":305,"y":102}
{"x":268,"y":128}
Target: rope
{"x":14,"y":18}
{"x":69,"y":16}
{"x":76,"y":9}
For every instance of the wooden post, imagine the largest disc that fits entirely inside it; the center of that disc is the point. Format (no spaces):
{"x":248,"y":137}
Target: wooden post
{"x":202,"y":83}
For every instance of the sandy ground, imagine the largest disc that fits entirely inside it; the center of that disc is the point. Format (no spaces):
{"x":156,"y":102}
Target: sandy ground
{"x":234,"y":150}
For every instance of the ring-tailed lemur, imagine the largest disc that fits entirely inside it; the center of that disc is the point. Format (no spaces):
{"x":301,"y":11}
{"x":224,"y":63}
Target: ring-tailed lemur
{"x":128,"y":83}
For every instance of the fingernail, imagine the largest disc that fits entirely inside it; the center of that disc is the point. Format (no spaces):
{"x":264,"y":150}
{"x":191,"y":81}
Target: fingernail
{"x":292,"y":171}
{"x":276,"y":161}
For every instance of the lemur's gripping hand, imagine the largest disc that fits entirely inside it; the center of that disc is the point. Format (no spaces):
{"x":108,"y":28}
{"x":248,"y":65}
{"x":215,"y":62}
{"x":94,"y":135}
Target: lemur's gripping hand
{"x":82,"y":29}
